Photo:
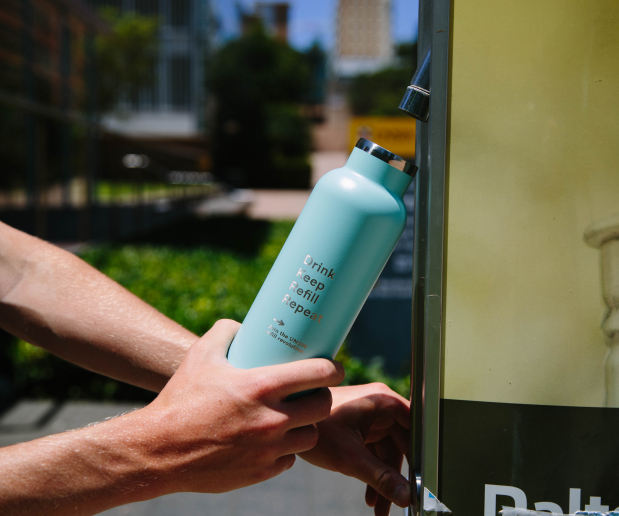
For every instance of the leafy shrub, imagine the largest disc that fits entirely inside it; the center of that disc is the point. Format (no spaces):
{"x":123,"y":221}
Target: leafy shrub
{"x":260,"y":138}
{"x":359,"y":372}
{"x":195,"y":286}
{"x":379,"y":93}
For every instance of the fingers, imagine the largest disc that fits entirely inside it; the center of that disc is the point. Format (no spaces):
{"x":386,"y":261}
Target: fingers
{"x":285,"y":462}
{"x":390,"y":408}
{"x":371,"y":496}
{"x":299,"y":440}
{"x":281,"y":464}
{"x":217,"y":340}
{"x":313,"y":373}
{"x":399,"y":435}
{"x":309,"y":409}
{"x":401,"y":438}
{"x":384,"y":478}
{"x":387,"y":452}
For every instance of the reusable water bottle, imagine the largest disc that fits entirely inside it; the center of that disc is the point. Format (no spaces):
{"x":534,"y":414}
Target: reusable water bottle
{"x":329,"y":263}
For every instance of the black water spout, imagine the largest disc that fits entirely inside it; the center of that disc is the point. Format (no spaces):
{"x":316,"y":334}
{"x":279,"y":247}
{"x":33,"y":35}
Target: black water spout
{"x":416,"y":100}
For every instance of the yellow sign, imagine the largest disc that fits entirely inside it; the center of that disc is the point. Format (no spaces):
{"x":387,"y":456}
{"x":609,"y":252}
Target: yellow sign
{"x":396,"y":134}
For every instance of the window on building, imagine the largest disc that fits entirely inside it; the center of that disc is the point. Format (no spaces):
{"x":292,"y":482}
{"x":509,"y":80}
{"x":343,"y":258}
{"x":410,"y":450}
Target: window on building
{"x":150,"y":95}
{"x":147,"y":96}
{"x":180,"y":82}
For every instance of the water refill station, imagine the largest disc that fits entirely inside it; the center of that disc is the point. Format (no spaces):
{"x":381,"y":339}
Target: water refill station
{"x":515,"y":392}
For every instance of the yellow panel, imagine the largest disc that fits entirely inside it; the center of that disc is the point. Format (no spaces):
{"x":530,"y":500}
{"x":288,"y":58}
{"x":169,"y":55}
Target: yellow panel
{"x":533,"y":161}
{"x":396,"y":134}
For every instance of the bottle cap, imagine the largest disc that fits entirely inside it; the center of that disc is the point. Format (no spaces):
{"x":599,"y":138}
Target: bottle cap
{"x":387,"y":156}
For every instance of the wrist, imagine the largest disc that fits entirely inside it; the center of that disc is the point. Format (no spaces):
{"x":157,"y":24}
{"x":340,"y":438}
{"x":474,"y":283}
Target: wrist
{"x":132,"y":442}
{"x":83,"y":471}
{"x":116,"y":462}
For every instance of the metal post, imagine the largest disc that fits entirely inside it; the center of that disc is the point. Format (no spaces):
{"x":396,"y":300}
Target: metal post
{"x":434,"y":31}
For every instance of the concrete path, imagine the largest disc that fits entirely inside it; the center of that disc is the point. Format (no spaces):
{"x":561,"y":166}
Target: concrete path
{"x":302,"y":491}
{"x":277,"y":204}
{"x":287,"y":204}
{"x":324,"y":161}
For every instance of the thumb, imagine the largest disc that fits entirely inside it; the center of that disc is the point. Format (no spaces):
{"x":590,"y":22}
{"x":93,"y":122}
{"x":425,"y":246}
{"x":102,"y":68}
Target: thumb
{"x":383,"y":478}
{"x":216,"y":342}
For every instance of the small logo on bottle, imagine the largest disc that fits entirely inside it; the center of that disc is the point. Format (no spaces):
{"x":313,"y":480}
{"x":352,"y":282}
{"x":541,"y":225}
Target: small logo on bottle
{"x":281,"y":323}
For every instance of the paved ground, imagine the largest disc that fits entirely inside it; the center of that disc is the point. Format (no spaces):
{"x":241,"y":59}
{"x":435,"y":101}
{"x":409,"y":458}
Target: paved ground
{"x":302,"y":491}
{"x":287,"y":204}
{"x":324,"y":161}
{"x":277,"y":204}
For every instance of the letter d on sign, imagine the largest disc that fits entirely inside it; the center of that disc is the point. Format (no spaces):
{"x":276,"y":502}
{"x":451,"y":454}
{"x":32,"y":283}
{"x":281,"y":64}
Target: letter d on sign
{"x":308,"y":257}
{"x":490,"y":508}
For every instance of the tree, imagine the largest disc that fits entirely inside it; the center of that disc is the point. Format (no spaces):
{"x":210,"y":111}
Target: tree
{"x":316,"y":58}
{"x":379,"y":93}
{"x":125,"y":56}
{"x":260,"y":138}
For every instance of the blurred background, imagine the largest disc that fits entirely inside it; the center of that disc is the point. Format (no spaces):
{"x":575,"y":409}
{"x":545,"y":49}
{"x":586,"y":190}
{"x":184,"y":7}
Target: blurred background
{"x":172,"y":144}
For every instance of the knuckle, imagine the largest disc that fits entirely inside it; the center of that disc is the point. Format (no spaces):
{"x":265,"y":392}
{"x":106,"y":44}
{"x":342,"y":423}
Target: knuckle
{"x":385,"y":482}
{"x":261,"y":386}
{"x":324,"y":370}
{"x":270,"y":425}
{"x":380,"y":388}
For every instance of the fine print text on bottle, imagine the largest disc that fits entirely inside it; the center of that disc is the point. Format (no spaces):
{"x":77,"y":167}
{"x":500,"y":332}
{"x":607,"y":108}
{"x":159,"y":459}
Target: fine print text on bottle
{"x":286,"y":339}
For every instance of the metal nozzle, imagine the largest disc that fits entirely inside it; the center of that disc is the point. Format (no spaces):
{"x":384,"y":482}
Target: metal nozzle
{"x":387,"y":156}
{"x":416,"y":100}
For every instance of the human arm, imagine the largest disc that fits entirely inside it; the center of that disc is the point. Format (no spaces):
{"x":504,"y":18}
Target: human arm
{"x":366,"y":437}
{"x":213,"y":428}
{"x":56,"y":301}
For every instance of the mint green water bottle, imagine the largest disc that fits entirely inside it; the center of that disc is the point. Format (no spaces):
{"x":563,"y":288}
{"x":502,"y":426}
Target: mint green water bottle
{"x":329,"y":263}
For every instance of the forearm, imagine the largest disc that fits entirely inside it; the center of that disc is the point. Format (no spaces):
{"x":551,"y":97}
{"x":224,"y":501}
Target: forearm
{"x":81,"y":472}
{"x":213,"y":428}
{"x":54,"y":300}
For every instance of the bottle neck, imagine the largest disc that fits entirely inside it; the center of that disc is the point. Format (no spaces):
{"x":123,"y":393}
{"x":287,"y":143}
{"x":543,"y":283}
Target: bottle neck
{"x":377,"y":170}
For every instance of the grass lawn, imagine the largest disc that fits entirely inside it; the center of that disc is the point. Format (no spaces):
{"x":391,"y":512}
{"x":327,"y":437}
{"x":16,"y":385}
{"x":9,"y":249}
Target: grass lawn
{"x":107,"y":192}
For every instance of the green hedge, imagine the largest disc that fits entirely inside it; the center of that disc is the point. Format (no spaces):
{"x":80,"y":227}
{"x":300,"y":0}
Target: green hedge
{"x":195,"y":286}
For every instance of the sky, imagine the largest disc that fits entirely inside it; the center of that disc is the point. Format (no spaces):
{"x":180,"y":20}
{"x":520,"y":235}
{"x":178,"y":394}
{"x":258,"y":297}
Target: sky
{"x":310,"y":20}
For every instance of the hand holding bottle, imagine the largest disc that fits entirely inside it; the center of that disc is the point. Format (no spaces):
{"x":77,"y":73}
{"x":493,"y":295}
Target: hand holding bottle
{"x":213,"y":428}
{"x":330,"y":262}
{"x":223,"y":428}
